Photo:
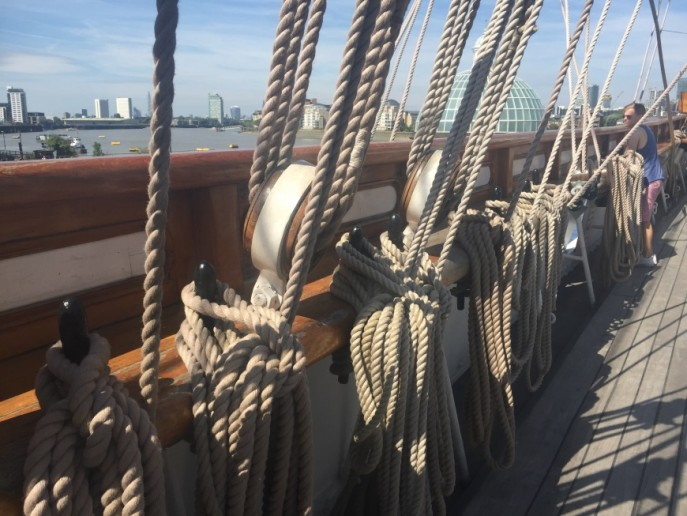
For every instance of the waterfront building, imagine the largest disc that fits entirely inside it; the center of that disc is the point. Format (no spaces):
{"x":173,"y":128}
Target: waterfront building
{"x":5,"y":113}
{"x":235,"y":113}
{"x":593,"y":95}
{"x":124,"y":107}
{"x":16,"y":98}
{"x":215,"y":107}
{"x":314,"y":115}
{"x":102,"y":108}
{"x":35,"y":118}
{"x":387,"y":115}
{"x":257,"y":115}
{"x":523,"y":110}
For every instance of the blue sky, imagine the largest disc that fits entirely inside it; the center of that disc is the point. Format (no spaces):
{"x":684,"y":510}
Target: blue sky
{"x":65,"y":55}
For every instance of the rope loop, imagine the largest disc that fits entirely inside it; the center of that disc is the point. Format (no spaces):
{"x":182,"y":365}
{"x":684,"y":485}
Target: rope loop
{"x":91,"y":429}
{"x":404,"y":435}
{"x":252,"y":425}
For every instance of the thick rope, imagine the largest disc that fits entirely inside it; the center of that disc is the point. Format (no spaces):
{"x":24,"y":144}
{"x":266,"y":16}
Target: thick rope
{"x":350,"y":156}
{"x":489,"y":246}
{"x":158,"y":195}
{"x":622,"y":224}
{"x":520,"y":28}
{"x":459,"y":19}
{"x":478,"y":76}
{"x":404,"y":438}
{"x":251,"y":406}
{"x":94,"y":450}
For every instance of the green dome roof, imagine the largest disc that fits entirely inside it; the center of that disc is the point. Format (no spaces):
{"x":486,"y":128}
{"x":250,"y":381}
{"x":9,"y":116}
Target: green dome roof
{"x":523,"y":110}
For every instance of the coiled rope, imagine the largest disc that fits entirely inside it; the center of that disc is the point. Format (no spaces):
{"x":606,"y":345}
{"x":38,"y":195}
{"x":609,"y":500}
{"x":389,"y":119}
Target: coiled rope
{"x":95,"y":450}
{"x":404,"y":437}
{"x":252,"y":427}
{"x":622,"y":223}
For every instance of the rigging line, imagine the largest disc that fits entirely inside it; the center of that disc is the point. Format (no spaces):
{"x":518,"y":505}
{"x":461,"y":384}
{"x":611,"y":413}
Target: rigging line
{"x":674,"y":31}
{"x":499,"y":87}
{"x":457,"y":27}
{"x":622,"y":142}
{"x":606,"y":85}
{"x":555,"y":92}
{"x":484,"y":58}
{"x":568,"y":114}
{"x":411,"y":71}
{"x":403,"y":38}
{"x":587,"y":116}
{"x":646,"y":54}
{"x":653,"y":56}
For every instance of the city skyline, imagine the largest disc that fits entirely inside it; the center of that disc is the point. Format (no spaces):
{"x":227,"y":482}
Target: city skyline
{"x":65,"y":61}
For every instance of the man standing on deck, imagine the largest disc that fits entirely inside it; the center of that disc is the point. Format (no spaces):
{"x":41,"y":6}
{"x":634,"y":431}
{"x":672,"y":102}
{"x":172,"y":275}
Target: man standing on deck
{"x":644,"y":142}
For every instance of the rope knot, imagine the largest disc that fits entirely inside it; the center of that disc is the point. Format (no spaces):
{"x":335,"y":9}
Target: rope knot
{"x":91,"y":428}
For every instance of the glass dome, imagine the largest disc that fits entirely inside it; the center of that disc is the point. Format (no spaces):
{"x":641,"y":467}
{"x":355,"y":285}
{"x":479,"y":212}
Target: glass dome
{"x":523,"y":110}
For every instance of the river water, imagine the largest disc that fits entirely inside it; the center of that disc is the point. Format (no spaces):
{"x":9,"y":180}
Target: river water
{"x":132,"y":141}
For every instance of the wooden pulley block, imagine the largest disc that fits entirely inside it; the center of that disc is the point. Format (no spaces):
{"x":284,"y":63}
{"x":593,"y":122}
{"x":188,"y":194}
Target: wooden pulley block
{"x":418,"y":186}
{"x":271,"y":229}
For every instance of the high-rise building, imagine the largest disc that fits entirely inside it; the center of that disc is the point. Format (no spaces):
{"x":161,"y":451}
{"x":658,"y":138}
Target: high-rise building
{"x":124,"y":107}
{"x":387,"y":115}
{"x":314,"y":115}
{"x":5,"y":113}
{"x":102,"y":108}
{"x":215,"y":107}
{"x":16,"y":98}
{"x":235,"y":113}
{"x":593,"y":95}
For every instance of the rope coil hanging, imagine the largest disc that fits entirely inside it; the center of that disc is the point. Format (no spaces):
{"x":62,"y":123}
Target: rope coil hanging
{"x":621,"y":234}
{"x":94,"y":450}
{"x":252,"y":428}
{"x":404,"y":437}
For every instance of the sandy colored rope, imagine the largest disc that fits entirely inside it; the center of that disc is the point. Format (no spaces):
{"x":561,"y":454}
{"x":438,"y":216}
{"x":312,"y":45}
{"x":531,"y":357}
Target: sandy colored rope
{"x":489,"y":246}
{"x":622,"y":223}
{"x":404,"y":438}
{"x":94,"y":450}
{"x":459,"y":19}
{"x":252,"y":422}
{"x":560,"y":79}
{"x":350,"y":155}
{"x":521,"y":26}
{"x":411,"y":70}
{"x":478,"y":76}
{"x":604,"y":90}
{"x":158,"y":195}
{"x":404,"y":36}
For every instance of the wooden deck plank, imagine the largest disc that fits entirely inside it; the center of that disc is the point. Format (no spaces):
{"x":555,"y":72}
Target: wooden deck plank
{"x":646,"y":439}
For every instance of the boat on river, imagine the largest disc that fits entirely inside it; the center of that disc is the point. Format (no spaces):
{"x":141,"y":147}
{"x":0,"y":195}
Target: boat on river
{"x":85,"y":237}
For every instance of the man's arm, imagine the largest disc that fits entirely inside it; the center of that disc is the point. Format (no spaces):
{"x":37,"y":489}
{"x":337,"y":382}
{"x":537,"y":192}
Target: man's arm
{"x":634,"y":141}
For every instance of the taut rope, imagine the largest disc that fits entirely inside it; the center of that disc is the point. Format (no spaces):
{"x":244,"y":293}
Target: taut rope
{"x":158,"y":188}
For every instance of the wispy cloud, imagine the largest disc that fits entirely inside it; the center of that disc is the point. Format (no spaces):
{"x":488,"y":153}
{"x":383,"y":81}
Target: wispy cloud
{"x":25,"y":63}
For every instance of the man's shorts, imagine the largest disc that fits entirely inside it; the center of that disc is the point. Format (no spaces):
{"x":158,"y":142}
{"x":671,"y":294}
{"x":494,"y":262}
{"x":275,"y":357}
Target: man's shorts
{"x":649,"y":197}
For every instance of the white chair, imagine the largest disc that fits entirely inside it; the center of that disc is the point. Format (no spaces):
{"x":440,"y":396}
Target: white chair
{"x":574,"y":238}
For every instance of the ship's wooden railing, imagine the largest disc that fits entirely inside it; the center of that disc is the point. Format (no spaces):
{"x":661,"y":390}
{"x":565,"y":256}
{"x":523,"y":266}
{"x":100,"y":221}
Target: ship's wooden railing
{"x":48,"y":205}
